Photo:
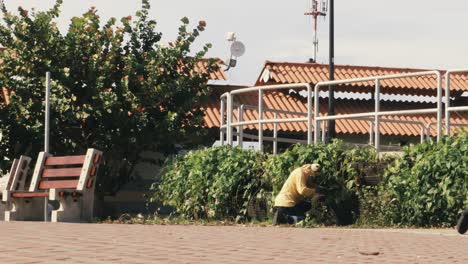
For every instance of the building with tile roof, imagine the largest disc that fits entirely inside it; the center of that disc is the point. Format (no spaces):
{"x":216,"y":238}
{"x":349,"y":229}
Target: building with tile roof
{"x":397,"y":94}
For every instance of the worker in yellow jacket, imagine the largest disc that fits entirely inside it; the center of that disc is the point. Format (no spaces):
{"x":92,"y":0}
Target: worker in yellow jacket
{"x":291,"y":204}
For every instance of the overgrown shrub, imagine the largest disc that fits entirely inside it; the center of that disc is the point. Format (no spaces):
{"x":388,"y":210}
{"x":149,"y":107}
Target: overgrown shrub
{"x":213,"y":183}
{"x":339,"y":176}
{"x":372,"y":208}
{"x":428,"y":185}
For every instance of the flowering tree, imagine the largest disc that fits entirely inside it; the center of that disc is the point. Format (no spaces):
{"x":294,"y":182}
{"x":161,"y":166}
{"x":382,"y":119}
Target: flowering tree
{"x":115,"y":86}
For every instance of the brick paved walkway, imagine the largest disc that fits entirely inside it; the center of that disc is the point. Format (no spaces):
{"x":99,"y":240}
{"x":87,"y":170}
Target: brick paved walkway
{"x":24,"y":242}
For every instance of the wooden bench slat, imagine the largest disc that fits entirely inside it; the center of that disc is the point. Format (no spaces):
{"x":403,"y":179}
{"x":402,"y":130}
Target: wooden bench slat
{"x":67,"y":184}
{"x":55,"y":173}
{"x":97,"y":158}
{"x":29,"y":194}
{"x":65,"y":160}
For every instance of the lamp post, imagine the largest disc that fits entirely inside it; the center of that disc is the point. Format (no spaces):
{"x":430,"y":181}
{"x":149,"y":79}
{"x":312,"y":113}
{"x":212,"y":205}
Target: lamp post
{"x":331,"y":90}
{"x":47,"y":133}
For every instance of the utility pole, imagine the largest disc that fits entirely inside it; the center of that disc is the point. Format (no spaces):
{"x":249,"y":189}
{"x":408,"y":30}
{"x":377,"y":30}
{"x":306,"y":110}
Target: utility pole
{"x":331,"y":91}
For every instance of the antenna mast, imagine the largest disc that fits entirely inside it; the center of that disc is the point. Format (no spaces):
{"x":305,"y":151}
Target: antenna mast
{"x":318,"y":9}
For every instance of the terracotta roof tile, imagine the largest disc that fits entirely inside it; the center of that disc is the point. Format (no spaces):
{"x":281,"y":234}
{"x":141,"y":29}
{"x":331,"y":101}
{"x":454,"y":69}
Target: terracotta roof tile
{"x":286,"y":72}
{"x":217,"y":75}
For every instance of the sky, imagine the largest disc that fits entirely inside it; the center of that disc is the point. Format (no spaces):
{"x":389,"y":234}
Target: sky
{"x":429,"y":34}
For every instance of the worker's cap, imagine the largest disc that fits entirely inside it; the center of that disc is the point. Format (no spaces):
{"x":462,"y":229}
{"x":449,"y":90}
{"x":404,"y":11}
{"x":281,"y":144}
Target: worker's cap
{"x":311,"y":169}
{"x":315,"y":168}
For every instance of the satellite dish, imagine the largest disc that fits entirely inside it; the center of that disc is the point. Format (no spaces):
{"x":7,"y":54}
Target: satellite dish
{"x":237,"y":49}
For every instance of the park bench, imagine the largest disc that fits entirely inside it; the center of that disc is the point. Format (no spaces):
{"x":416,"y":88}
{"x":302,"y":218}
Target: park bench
{"x":16,"y":180}
{"x":69,"y":180}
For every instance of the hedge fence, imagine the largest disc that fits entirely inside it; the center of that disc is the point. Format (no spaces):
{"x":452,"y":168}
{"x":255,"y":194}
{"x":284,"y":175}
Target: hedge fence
{"x":426,"y":186}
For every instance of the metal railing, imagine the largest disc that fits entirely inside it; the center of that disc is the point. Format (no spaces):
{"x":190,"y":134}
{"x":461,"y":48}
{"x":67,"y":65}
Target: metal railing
{"x":377,"y":113}
{"x":314,"y":121}
{"x":429,"y":128}
{"x":275,"y":139}
{"x":449,"y":109}
{"x":384,"y":120}
{"x":227,"y":101}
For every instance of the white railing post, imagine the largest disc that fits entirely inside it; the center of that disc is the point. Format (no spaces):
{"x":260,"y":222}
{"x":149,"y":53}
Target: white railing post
{"x":316,"y":114}
{"x":439,"y":106}
{"x":377,"y":110}
{"x":447,"y":103}
{"x":429,"y":129}
{"x":222,"y":128}
{"x":324,"y":129}
{"x":422,"y":133}
{"x":371,"y":133}
{"x":229,"y":119}
{"x":309,"y":114}
{"x":275,"y":135}
{"x":260,"y":118}
{"x":241,"y":127}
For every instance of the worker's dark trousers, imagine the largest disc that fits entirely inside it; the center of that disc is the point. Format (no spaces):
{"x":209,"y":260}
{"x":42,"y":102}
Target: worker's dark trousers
{"x":291,"y":215}
{"x":462,"y":225}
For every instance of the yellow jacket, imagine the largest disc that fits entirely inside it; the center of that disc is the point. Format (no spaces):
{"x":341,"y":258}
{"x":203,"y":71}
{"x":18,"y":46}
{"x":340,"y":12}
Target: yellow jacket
{"x":294,"y":189}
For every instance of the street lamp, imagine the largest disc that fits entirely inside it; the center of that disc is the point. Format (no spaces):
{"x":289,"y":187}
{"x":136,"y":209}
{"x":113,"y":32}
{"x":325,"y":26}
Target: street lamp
{"x":331,"y":89}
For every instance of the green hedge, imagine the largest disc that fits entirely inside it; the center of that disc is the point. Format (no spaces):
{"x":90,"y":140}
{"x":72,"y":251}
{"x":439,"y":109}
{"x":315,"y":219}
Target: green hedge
{"x":339,"y":176}
{"x":213,"y":183}
{"x":426,"y":186}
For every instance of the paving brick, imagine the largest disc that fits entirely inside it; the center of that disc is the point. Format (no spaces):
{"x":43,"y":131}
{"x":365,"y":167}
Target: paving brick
{"x":29,"y":242}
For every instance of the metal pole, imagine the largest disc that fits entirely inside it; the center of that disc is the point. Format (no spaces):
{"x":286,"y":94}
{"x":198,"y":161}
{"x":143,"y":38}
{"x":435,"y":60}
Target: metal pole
{"x":47,"y":114}
{"x":238,"y":126}
{"x":47,"y":130}
{"x":331,"y":91}
{"x":428,"y":131}
{"x":241,"y":127}
{"x":221,"y":132}
{"x":260,"y":118}
{"x":439,"y":106}
{"x":377,"y":110}
{"x":422,"y":134}
{"x":229,"y":119}
{"x":371,"y":133}
{"x":316,"y":114}
{"x":275,"y":135}
{"x":324,"y":129}
{"x":447,"y":103}
{"x":309,"y":114}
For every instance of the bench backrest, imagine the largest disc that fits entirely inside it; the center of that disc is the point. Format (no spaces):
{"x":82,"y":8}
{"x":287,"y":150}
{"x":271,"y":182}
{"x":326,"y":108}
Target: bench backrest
{"x":16,"y":180}
{"x":66,"y":172}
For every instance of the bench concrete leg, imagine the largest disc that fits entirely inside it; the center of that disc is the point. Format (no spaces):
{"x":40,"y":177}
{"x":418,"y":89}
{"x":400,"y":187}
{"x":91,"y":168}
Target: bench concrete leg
{"x":2,"y":211}
{"x":87,"y":206}
{"x":24,"y":209}
{"x":69,"y":210}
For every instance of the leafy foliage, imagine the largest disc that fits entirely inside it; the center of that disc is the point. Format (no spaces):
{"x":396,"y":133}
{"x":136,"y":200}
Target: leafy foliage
{"x":115,"y":87}
{"x":220,"y":182}
{"x":428,"y":185}
{"x":214,"y":183}
{"x":339,"y":176}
